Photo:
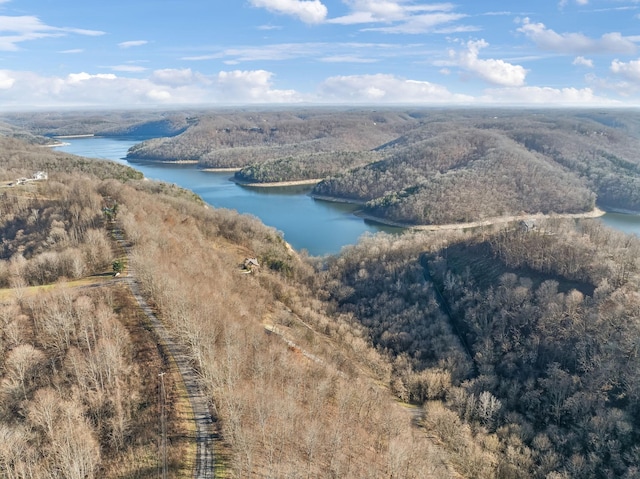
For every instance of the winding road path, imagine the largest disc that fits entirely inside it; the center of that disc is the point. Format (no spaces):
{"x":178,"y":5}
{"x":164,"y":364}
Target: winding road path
{"x":204,"y":461}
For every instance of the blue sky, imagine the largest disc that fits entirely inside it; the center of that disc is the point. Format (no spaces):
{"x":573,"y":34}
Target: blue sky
{"x":162,"y":53}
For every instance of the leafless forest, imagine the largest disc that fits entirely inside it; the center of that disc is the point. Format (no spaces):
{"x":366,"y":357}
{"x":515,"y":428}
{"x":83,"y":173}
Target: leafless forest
{"x":503,"y":352}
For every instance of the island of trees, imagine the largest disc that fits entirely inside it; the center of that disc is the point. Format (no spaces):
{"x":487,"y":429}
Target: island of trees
{"x":507,"y":351}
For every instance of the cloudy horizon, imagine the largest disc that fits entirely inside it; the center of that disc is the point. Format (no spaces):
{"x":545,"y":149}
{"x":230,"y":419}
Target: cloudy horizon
{"x":342,"y":52}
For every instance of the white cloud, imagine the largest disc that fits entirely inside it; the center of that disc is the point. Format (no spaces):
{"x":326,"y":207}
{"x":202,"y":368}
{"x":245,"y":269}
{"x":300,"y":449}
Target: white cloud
{"x":6,"y":80}
{"x":386,"y":11}
{"x":575,"y":43}
{"x":253,"y":87}
{"x":24,"y":90}
{"x":583,"y":62}
{"x":132,"y":43}
{"x":629,"y":70}
{"x":127,"y":68}
{"x":73,"y":50}
{"x":173,"y":76}
{"x":382,"y":88}
{"x":400,"y":16}
{"x":83,"y":76}
{"x":358,"y":52}
{"x":160,"y":96}
{"x":309,"y":11}
{"x":346,"y":59}
{"x":564,"y":3}
{"x":623,"y":87}
{"x":546,"y":96}
{"x":420,"y":23}
{"x":497,"y":72}
{"x":273,"y":52}
{"x":17,"y":29}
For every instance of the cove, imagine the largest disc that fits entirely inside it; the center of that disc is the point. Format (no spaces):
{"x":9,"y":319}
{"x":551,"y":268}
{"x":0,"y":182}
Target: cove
{"x":320,"y":227}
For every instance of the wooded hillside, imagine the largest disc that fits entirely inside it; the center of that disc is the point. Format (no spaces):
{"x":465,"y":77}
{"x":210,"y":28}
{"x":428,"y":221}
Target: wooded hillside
{"x":236,"y":139}
{"x":458,"y":168}
{"x":528,"y":335}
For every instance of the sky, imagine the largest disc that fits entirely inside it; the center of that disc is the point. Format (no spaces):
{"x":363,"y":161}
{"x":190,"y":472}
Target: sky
{"x":173,"y":53}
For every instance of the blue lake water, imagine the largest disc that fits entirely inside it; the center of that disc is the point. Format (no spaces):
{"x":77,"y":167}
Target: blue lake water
{"x":320,"y":227}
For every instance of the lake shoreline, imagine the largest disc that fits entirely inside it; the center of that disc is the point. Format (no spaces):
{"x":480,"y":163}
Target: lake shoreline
{"x":595,"y":213}
{"x":220,"y":170}
{"x":333,"y":199}
{"x":621,"y":211}
{"x":160,"y":162}
{"x":278,"y":184}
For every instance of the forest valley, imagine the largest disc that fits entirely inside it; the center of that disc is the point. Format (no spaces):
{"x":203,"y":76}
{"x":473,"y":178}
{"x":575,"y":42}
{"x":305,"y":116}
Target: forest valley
{"x":501,"y":352}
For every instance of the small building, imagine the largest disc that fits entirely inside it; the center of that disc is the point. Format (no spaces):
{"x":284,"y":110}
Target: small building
{"x":40,"y":175}
{"x":251,"y":264}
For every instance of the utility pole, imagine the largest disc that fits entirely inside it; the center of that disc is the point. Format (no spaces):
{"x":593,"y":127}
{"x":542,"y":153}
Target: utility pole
{"x":162,"y":402}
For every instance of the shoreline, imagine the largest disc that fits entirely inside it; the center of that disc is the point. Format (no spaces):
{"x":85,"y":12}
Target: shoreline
{"x":595,"y":213}
{"x":62,"y":137}
{"x":332,"y":199}
{"x":220,"y":170}
{"x":621,"y":211}
{"x":278,"y":184}
{"x":161,"y":162}
{"x":55,"y":145}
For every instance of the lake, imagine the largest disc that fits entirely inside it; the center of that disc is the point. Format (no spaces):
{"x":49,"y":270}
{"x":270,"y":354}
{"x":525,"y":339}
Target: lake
{"x":320,"y":227}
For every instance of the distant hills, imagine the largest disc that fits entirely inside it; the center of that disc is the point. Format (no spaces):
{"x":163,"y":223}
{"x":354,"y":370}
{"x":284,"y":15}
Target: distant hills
{"x":414,"y":167}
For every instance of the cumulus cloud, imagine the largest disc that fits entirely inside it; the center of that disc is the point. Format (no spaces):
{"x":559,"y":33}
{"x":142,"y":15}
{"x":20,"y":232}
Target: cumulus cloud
{"x":17,"y":29}
{"x":575,"y":43}
{"x":628,"y":70}
{"x":132,"y":43}
{"x":309,"y":11}
{"x":24,"y":90}
{"x":497,"y":72}
{"x":253,"y":87}
{"x":21,"y":90}
{"x":583,"y":62}
{"x":383,"y":88}
{"x":403,"y":16}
